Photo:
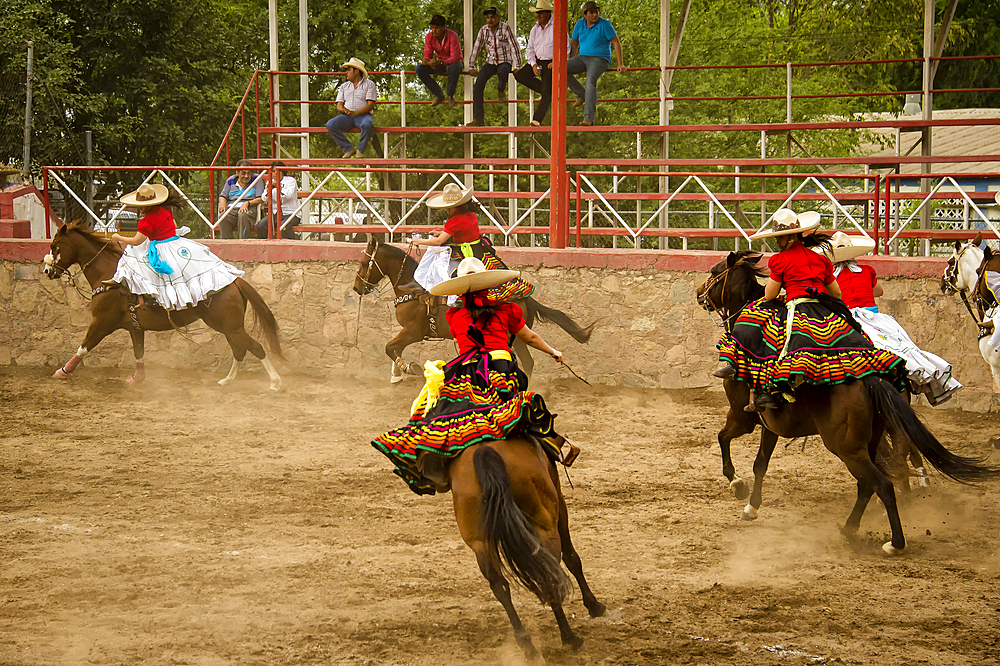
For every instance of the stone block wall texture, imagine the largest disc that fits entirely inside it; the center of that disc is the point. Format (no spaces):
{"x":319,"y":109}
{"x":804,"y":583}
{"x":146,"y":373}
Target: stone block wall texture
{"x":650,"y":332}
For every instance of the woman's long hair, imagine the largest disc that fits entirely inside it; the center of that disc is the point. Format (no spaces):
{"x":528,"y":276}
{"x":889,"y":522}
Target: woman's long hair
{"x":470,"y":206}
{"x":479,"y":309}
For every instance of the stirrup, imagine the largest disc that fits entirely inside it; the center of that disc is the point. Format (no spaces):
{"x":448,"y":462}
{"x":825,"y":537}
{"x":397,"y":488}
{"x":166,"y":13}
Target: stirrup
{"x":574,"y":452}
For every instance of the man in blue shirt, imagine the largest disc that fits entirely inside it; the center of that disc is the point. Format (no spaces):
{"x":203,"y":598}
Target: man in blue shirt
{"x":593,"y":37}
{"x":238,"y":202}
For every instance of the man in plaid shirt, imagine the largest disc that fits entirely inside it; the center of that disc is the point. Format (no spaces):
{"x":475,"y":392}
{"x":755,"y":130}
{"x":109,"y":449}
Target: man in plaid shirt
{"x":502,"y":55}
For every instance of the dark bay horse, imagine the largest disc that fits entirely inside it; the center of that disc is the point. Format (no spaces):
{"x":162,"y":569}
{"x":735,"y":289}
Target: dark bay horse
{"x":512,"y":514}
{"x":851,"y":418}
{"x":382,"y":260}
{"x":114,"y":307}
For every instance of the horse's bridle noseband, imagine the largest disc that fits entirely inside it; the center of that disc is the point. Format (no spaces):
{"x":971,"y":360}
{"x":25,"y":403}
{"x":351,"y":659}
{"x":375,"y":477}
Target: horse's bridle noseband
{"x":710,"y":305}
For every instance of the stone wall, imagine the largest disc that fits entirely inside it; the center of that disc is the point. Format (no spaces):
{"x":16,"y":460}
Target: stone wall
{"x":650,"y":332}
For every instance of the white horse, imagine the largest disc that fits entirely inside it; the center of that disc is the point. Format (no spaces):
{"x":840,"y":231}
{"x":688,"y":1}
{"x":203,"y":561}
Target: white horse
{"x":962,"y":276}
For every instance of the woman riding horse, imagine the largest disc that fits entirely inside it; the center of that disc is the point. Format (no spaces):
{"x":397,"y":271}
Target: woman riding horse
{"x":811,"y":338}
{"x":459,"y":239}
{"x":929,"y":374}
{"x":177,"y":272}
{"x":478,"y":396}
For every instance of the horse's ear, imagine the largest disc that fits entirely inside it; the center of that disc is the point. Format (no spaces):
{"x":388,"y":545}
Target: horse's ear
{"x":958,"y":246}
{"x":732,"y":259}
{"x":978,"y":239}
{"x":987,"y":253}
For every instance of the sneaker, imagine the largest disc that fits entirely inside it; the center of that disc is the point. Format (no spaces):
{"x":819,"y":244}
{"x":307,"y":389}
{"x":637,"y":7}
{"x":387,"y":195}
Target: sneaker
{"x":535,"y":123}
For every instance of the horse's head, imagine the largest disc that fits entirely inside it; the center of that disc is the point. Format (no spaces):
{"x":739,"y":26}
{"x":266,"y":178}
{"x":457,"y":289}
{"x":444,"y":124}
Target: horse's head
{"x":370,"y":273}
{"x":62,"y":253}
{"x":732,"y":284}
{"x":961,"y":273}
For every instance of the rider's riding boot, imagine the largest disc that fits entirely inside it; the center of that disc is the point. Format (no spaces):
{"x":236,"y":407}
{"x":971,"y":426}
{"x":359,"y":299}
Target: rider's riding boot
{"x":761,"y":401}
{"x":725,"y":372}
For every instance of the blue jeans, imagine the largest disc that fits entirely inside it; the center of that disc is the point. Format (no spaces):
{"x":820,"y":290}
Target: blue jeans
{"x":426,"y":73}
{"x":501,"y":71}
{"x":337,"y":125}
{"x":594,"y":66}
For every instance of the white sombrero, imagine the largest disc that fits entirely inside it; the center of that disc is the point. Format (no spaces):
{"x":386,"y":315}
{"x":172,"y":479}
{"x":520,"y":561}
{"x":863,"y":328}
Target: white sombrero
{"x":358,"y":65}
{"x":785,"y":222}
{"x":146,"y":195}
{"x":472,"y":276}
{"x":451,"y":195}
{"x":846,"y":247}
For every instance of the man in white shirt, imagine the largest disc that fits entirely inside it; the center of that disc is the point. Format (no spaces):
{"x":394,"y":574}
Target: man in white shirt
{"x":503,"y":54}
{"x":537,"y":75}
{"x":355,"y":100}
{"x":288,"y":196}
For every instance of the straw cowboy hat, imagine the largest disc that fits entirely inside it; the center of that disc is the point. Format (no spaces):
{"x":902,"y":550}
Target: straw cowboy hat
{"x":844,"y":247}
{"x":451,"y":195}
{"x":541,"y":6}
{"x":472,"y":276}
{"x":785,"y":222}
{"x":146,"y":195}
{"x":358,"y":65}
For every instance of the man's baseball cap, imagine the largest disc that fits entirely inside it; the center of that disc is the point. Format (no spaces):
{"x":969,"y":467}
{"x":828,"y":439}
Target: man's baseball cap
{"x":491,"y":10}
{"x":437,"y":19}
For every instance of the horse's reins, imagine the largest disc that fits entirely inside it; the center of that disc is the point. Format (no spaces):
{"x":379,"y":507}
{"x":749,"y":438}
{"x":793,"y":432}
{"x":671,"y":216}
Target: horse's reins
{"x":709,"y":285}
{"x":83,"y":268}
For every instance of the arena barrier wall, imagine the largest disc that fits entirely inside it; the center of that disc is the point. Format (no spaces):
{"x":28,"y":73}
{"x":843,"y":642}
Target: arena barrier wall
{"x":650,"y":332}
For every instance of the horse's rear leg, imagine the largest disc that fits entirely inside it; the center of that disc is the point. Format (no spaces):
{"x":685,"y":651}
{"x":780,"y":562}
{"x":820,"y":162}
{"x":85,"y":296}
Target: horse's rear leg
{"x":241,"y":342}
{"x":768,"y":440}
{"x":871,"y":478}
{"x":572,"y":558}
{"x":501,"y":590}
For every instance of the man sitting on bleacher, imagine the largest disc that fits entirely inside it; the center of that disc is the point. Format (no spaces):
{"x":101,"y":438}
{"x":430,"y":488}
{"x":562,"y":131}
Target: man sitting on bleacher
{"x":288,"y":198}
{"x":355,"y":100}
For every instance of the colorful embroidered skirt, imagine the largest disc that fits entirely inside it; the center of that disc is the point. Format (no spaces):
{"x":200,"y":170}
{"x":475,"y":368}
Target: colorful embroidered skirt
{"x":482,"y":400}
{"x":822,"y":348}
{"x":508,"y":292}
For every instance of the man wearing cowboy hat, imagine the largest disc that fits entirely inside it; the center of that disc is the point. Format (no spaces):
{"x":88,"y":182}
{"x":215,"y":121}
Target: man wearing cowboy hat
{"x":594,"y":38}
{"x":355,"y":100}
{"x":442,"y":55}
{"x":503,"y":54}
{"x":537,"y":75}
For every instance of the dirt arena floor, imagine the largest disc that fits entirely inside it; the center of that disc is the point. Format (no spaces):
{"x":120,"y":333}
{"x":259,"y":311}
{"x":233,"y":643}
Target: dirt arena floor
{"x":185,"y":523}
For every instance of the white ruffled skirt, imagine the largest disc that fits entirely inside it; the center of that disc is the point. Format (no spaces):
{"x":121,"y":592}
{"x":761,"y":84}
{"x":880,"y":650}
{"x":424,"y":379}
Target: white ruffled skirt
{"x":929,"y":374}
{"x":197,"y":273}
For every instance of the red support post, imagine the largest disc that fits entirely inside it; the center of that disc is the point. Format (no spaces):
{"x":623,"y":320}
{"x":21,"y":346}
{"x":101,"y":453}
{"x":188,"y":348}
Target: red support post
{"x":559,"y":181}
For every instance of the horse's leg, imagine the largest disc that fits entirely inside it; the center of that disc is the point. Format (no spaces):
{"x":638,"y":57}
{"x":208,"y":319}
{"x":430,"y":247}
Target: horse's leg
{"x":394,"y":350}
{"x":221,"y":315}
{"x":523,"y":356}
{"x":738,"y":423}
{"x":139,"y":351}
{"x":917,"y":462}
{"x":768,"y":440}
{"x":571,"y":558}
{"x":97,"y":331}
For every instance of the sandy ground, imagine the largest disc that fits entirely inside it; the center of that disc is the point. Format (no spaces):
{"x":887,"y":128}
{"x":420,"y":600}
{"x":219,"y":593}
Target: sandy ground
{"x":184,"y":523}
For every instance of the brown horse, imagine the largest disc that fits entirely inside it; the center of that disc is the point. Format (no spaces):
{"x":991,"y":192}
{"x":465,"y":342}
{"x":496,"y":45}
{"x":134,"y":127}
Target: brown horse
{"x":511,"y":512}
{"x":420,"y":321}
{"x":113,"y":307}
{"x":850,"y":418}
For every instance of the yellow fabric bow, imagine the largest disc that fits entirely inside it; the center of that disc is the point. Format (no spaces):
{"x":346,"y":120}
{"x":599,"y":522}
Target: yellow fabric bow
{"x":429,"y":394}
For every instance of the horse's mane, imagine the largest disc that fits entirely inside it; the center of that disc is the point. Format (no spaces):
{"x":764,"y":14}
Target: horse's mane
{"x":79,"y":227}
{"x":748,"y":268}
{"x":397,"y":252}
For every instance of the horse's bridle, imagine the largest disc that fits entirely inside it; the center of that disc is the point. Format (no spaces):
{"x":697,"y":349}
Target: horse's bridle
{"x":712,"y":308}
{"x":951,"y":279}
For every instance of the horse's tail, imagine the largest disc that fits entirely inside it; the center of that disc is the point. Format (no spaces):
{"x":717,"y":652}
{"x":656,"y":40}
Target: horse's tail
{"x":901,"y":417}
{"x":262,"y":317}
{"x":536,"y":309}
{"x":511,"y":542}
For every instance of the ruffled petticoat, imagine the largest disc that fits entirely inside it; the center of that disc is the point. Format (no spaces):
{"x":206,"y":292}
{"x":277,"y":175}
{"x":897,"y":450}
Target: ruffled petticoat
{"x":929,"y":374}
{"x":197,"y":273}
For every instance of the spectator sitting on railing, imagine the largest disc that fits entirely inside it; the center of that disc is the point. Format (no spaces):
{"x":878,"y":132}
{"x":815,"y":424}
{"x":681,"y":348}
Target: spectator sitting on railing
{"x":594,"y":37}
{"x":503,"y":54}
{"x":238,"y":201}
{"x":442,"y":55}
{"x":355,"y":101}
{"x":289,"y":199}
{"x":537,"y":74}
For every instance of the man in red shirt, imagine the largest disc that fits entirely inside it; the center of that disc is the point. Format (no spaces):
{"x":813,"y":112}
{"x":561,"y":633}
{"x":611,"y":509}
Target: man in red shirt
{"x":442,"y":55}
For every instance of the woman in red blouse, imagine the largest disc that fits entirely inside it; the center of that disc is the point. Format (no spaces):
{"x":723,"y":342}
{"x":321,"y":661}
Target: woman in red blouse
{"x":462,"y":238}
{"x":483,"y":395}
{"x":809,"y":338}
{"x":157,"y":262}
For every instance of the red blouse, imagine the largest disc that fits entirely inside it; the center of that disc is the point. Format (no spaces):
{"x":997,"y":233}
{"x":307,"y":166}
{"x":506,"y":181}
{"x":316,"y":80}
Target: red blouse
{"x":507,"y":320}
{"x":857,"y":287}
{"x":798,"y":268}
{"x":463,"y":228}
{"x":158,"y":224}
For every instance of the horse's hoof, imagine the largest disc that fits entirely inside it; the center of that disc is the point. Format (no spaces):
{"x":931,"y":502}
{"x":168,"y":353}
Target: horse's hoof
{"x":415,"y":370}
{"x":60,"y":374}
{"x":995,"y":442}
{"x":134,"y":380}
{"x":740,"y":488}
{"x":749,"y":513}
{"x":599,"y":610}
{"x":574,"y":642}
{"x":224,"y":381}
{"x":395,"y":380}
{"x":889,"y":549}
{"x":275,"y":386}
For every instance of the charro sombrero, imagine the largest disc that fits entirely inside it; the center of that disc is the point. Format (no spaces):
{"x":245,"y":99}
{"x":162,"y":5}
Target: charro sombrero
{"x":541,"y":6}
{"x":785,"y":222}
{"x":846,"y":247}
{"x":358,"y":65}
{"x":472,"y":276}
{"x":146,"y":195}
{"x":451,"y":195}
